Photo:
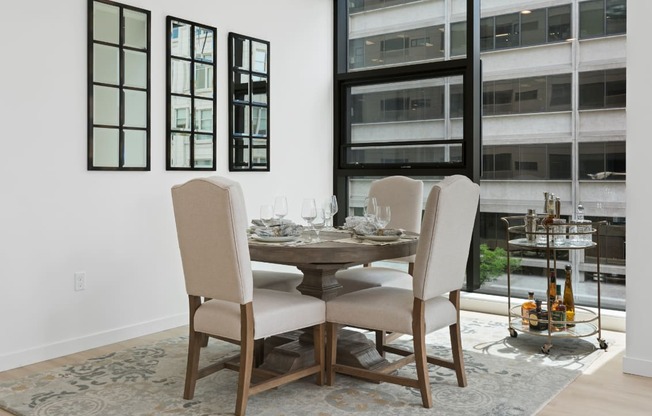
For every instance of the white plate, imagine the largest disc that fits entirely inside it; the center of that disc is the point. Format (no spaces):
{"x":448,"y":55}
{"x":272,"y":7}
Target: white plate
{"x":381,"y":237}
{"x":281,"y":239}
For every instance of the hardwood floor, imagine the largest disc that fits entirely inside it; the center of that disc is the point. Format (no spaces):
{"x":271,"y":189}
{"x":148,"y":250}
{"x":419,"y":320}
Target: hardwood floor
{"x":604,"y":390}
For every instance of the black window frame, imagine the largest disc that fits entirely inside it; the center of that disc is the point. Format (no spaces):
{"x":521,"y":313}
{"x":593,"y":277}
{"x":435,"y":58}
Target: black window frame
{"x":238,"y":142}
{"x":468,"y":67}
{"x":193,"y":96}
{"x":121,"y":127}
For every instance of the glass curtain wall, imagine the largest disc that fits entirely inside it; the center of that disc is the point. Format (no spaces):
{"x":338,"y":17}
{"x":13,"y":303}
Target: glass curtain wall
{"x":553,"y":118}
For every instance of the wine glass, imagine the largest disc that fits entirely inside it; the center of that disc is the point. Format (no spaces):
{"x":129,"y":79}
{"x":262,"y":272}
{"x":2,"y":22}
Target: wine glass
{"x":266,"y":215}
{"x":369,"y":209}
{"x":280,"y":207}
{"x":330,"y":209}
{"x":309,"y":210}
{"x":318,"y":223}
{"x":383,"y":216}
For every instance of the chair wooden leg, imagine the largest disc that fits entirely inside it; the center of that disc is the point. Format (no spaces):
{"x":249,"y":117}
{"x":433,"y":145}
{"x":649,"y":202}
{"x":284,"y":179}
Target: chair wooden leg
{"x":456,"y":342}
{"x":319,"y":343}
{"x":380,"y":342}
{"x":246,"y":357}
{"x":195,"y":341}
{"x":331,"y":352}
{"x":421,"y":361}
{"x":192,"y":367}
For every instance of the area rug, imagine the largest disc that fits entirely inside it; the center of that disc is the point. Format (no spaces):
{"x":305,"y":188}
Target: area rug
{"x":506,"y":376}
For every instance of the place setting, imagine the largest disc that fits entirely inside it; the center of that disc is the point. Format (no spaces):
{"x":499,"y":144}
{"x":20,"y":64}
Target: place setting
{"x":272,"y":228}
{"x":371,"y":227}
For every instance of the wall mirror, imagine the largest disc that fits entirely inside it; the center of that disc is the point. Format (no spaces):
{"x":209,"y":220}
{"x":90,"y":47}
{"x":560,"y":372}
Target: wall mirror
{"x":118,"y":86}
{"x":191,"y":95}
{"x":249,"y":104}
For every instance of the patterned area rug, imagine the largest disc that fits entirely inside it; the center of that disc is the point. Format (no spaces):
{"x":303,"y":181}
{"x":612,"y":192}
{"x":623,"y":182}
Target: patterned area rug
{"x":506,"y":376}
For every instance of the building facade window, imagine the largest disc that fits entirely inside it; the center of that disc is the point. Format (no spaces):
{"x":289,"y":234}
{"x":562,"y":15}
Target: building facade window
{"x":527,"y":162}
{"x":603,"y":18}
{"x":602,"y":161}
{"x":537,"y":27}
{"x":527,"y":95}
{"x":602,"y":89}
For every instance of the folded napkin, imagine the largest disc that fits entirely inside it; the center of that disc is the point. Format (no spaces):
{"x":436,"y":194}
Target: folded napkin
{"x":283,"y":228}
{"x":362,"y":226}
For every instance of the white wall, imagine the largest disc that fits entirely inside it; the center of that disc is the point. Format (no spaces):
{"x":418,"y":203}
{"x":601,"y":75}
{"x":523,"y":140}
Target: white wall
{"x":638,"y":356}
{"x":57,"y":218}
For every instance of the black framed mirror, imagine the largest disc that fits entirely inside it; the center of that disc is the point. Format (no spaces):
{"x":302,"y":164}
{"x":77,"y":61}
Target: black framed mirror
{"x":248,"y":103}
{"x":118,"y":86}
{"x":191,"y":95}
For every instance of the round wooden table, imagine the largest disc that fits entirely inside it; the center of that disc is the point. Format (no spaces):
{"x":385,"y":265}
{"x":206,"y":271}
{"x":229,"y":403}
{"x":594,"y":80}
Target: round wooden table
{"x":320,"y":261}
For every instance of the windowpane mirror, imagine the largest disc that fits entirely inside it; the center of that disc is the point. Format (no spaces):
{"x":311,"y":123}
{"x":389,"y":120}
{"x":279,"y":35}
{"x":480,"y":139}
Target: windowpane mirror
{"x":191,"y":95}
{"x":118,"y":87}
{"x":249,"y":109}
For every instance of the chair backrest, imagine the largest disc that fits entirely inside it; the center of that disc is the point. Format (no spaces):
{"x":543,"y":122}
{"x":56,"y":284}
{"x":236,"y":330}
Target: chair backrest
{"x":445,"y":238}
{"x":405,"y":197}
{"x":211,"y":221}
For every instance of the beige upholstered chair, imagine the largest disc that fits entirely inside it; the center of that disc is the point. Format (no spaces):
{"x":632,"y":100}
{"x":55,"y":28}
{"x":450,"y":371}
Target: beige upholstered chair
{"x":439,"y":268}
{"x":211,"y":228}
{"x":405,"y":198}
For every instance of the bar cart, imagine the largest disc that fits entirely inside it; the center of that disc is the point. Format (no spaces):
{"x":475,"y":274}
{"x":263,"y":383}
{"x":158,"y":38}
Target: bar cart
{"x":551,"y":239}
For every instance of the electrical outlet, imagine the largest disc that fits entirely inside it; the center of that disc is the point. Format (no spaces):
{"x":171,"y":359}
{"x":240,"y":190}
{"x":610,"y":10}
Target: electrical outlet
{"x":80,"y":281}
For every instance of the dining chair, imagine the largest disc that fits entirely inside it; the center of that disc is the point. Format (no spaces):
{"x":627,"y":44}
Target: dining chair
{"x":405,"y":198}
{"x":439,"y":268}
{"x":211,"y":223}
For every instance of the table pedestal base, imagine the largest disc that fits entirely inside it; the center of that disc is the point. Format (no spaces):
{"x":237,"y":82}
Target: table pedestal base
{"x":295,"y":350}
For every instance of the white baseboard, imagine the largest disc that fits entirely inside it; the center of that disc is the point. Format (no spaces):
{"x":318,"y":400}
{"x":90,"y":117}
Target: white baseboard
{"x":75,"y":345}
{"x":637,"y":367}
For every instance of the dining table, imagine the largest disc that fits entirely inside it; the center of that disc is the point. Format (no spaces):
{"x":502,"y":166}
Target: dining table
{"x":319,"y":263}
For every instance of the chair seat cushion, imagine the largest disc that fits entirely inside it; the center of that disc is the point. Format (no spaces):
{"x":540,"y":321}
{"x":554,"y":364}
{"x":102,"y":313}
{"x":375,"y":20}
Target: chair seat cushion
{"x":282,"y":281}
{"x":360,"y":278}
{"x":274,"y":313}
{"x":389,"y":309}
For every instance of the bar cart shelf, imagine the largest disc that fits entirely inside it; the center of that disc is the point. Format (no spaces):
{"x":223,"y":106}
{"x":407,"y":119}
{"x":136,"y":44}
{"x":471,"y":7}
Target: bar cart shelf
{"x":551,"y":239}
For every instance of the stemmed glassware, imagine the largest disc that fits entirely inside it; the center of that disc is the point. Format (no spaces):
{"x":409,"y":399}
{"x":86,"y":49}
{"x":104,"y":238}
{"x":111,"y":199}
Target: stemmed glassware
{"x":383,"y":216}
{"x":369,"y":209}
{"x":330,"y":209}
{"x":318,"y":223}
{"x":309,"y":211}
{"x":266,"y":215}
{"x":280,"y":207}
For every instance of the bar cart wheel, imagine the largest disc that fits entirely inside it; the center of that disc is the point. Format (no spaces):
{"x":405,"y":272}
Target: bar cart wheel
{"x":513,"y":333}
{"x":603,"y":344}
{"x":546,"y":348}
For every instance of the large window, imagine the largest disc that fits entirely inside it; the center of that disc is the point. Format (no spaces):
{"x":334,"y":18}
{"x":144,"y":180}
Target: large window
{"x":603,"y":18}
{"x":400,"y":106}
{"x":602,"y":89}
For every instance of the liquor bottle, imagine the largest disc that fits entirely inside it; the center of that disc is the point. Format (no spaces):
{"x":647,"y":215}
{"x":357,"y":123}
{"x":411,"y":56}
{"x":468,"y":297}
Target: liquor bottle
{"x":527,"y":307}
{"x":569,"y":301}
{"x":558,"y":312}
{"x":537,"y":316}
